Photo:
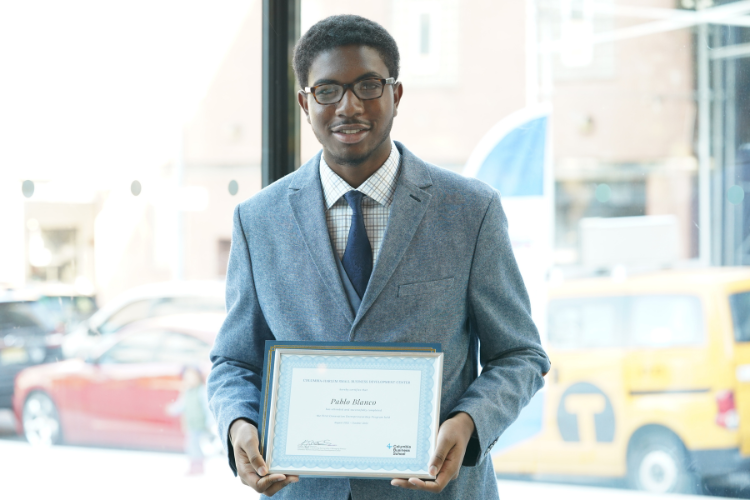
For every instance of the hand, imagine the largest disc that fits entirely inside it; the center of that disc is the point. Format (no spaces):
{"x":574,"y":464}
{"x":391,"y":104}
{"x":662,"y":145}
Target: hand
{"x":453,"y":437}
{"x":251,"y":467}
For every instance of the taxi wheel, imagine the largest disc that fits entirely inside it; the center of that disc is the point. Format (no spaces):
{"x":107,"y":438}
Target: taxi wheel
{"x":41,"y":422}
{"x":657,"y":463}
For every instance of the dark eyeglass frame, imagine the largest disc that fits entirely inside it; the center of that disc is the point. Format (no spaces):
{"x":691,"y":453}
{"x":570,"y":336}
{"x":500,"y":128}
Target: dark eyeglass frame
{"x":383,"y":82}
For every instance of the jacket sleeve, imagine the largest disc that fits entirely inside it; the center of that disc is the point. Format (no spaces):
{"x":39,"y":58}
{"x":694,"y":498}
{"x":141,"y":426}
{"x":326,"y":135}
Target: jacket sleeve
{"x":510,"y":352}
{"x":237,"y":356}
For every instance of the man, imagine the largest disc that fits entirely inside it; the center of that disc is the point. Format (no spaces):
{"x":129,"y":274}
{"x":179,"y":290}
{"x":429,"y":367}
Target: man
{"x":366,"y":242}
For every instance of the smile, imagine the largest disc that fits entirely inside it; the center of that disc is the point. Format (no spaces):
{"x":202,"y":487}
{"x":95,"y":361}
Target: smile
{"x":350,"y":136}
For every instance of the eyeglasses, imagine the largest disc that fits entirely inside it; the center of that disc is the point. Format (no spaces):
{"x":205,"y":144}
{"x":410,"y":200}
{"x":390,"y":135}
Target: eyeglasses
{"x":331,"y":93}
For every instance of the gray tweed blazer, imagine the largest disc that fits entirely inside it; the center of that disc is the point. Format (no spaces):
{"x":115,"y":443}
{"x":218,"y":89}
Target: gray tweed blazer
{"x":445,"y":273}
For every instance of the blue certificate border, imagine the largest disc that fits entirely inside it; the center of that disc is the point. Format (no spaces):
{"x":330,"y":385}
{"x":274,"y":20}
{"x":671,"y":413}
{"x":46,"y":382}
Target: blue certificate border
{"x":394,"y":362}
{"x":268,"y":367}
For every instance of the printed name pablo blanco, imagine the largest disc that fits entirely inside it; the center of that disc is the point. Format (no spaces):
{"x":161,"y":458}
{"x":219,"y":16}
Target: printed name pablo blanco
{"x":344,"y":401}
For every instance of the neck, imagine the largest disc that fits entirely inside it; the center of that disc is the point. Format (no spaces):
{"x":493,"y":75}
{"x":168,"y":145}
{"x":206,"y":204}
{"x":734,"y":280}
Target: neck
{"x":356,"y":173}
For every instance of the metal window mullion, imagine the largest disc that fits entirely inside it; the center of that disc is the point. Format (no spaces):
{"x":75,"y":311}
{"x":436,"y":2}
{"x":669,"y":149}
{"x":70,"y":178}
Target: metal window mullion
{"x":280,"y":120}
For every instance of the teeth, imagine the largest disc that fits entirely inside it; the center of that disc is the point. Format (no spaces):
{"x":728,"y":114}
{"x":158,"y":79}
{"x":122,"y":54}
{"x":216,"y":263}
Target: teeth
{"x":349,"y":131}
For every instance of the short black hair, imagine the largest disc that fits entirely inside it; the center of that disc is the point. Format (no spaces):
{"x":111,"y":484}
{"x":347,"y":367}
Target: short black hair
{"x":338,"y":31}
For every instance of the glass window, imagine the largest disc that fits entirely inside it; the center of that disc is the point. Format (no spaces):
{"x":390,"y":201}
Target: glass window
{"x":66,"y":311}
{"x":19,"y":315}
{"x":666,"y":320}
{"x":140,"y":347}
{"x":183,"y":349}
{"x":178,"y":305}
{"x":587,"y":322}
{"x":131,"y":312}
{"x":163,"y":306}
{"x":740,"y":305}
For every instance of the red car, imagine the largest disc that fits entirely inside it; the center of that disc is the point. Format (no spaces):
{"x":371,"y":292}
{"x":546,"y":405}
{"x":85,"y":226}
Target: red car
{"x":120,"y":395}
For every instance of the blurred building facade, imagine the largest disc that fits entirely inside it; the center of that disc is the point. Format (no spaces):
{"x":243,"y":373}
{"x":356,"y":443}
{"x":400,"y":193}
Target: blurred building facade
{"x":624,"y":116}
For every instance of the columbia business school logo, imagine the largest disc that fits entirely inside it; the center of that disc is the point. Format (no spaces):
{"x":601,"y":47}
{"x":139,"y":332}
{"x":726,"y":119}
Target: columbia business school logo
{"x":399,"y":449}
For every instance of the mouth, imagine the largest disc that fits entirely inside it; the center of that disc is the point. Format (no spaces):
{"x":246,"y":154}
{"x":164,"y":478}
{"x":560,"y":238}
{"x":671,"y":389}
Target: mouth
{"x":350,"y":134}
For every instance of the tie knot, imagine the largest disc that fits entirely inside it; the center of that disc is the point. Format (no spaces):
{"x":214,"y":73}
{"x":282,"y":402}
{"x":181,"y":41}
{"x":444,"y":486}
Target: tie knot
{"x":354,"y":199}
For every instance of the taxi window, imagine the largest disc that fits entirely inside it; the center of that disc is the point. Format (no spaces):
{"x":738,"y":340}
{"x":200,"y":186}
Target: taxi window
{"x":740,"y":305}
{"x":586,"y":322}
{"x":665,"y":320}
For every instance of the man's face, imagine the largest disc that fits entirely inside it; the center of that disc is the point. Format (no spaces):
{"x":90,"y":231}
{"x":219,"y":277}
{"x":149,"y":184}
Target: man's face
{"x":351,"y":131}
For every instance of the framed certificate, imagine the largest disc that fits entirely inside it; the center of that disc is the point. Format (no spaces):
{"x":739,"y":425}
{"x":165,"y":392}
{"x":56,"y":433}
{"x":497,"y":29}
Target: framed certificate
{"x":350,"y":409}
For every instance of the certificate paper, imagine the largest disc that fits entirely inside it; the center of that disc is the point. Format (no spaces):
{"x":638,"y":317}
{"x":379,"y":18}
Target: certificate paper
{"x":353,"y":413}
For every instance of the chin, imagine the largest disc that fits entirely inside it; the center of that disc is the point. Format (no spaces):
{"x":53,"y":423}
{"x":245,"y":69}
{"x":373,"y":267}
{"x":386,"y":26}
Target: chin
{"x":352,"y":160}
{"x":351,"y":156}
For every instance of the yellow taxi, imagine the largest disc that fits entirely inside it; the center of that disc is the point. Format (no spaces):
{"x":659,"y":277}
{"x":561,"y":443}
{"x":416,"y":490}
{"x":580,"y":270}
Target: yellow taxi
{"x":650,"y":380}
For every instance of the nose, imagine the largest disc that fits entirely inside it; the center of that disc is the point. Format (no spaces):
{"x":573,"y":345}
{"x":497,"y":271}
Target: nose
{"x":350,"y":104}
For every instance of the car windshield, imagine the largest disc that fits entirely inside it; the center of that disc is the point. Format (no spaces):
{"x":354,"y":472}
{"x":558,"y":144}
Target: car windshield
{"x":65,"y":311}
{"x":21,"y":316}
{"x":162,"y":306}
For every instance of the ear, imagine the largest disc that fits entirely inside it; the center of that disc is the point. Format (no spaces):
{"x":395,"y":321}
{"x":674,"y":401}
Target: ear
{"x":398,"y":91}
{"x":302,"y":100}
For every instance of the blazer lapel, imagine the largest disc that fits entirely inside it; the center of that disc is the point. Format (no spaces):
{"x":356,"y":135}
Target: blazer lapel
{"x":409,"y":205}
{"x":308,"y":207}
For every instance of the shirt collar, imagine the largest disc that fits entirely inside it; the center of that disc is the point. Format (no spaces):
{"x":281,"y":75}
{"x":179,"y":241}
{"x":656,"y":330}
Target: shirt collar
{"x":380,"y":186}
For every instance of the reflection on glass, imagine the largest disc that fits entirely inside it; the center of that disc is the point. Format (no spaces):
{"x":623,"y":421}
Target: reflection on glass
{"x":586,"y":323}
{"x":740,"y":304}
{"x":666,"y":320}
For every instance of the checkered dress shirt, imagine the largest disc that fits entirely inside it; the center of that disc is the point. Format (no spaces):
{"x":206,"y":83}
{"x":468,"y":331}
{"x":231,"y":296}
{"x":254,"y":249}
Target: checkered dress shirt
{"x":376,"y":204}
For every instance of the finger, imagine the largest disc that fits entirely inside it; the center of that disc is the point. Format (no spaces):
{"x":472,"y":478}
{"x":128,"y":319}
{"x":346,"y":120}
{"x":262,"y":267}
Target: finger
{"x":247,"y":445}
{"x":444,"y":446}
{"x":247,"y":471}
{"x":254,"y":480}
{"x":259,"y":465}
{"x":274,"y":488}
{"x":435,"y":486}
{"x":448,"y":473}
{"x":417,"y":484}
{"x":265,"y":483}
{"x":403,"y":483}
{"x":414,"y":483}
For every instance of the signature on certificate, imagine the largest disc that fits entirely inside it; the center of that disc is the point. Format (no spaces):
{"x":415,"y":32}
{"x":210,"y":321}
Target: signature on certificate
{"x":310,"y":442}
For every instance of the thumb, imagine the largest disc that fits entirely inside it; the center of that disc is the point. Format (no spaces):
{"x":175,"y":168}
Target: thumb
{"x":441,"y":451}
{"x":256,"y":460}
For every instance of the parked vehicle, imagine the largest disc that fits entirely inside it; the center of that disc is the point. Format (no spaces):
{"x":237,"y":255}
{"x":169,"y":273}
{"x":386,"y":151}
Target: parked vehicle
{"x":120,"y":395}
{"x":26,"y":339}
{"x":650,"y":381}
{"x":142,"y":302}
{"x":63,"y":306}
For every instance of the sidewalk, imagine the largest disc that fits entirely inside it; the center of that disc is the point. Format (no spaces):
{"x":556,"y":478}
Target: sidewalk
{"x":84,"y":473}
{"x":95,"y":473}
{"x":522,"y":490}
